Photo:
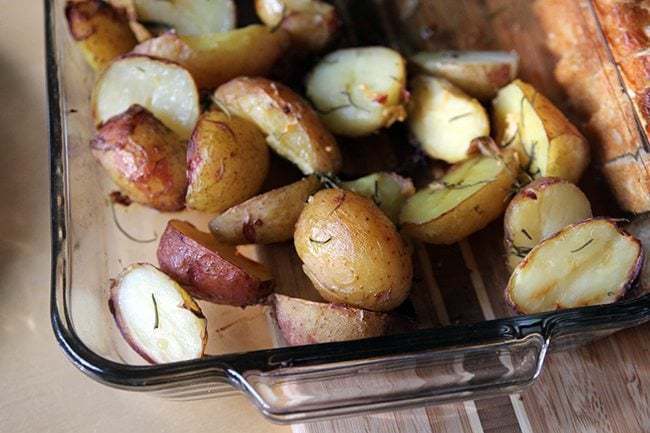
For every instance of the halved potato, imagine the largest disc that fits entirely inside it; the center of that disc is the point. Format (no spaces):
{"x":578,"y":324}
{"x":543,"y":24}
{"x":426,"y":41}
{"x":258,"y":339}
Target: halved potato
{"x":156,"y":317}
{"x":307,"y":322}
{"x":189,"y":17}
{"x":292,"y":128}
{"x":389,"y":191}
{"x":162,"y":87}
{"x":539,"y":210}
{"x":478,"y":73}
{"x":589,"y":263}
{"x":227,"y":162}
{"x":267,"y":218}
{"x":311,"y":23}
{"x":101,"y":31}
{"x":144,"y":158}
{"x":470,"y":196}
{"x":640,"y":229}
{"x":210,"y":270}
{"x":358,"y":91}
{"x":352,"y":252}
{"x":548,"y":144}
{"x":444,"y":120}
{"x":214,"y":58}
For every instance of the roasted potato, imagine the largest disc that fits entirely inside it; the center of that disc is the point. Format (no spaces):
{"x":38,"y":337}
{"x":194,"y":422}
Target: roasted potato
{"x":144,"y":158}
{"x":139,"y":30}
{"x":307,"y":322}
{"x":162,"y":87}
{"x":389,"y":191}
{"x":101,"y":31}
{"x":312,"y":24}
{"x":478,"y":73}
{"x":292,"y":128}
{"x":470,"y":196}
{"x":358,"y":91}
{"x":352,"y":252}
{"x":156,"y":317}
{"x":640,"y":229}
{"x":227,"y":162}
{"x":189,"y":17}
{"x":267,"y":218}
{"x":589,"y":263}
{"x":547,"y":143}
{"x":444,"y":120}
{"x":215,"y":58}
{"x":209,"y":270}
{"x":539,"y":210}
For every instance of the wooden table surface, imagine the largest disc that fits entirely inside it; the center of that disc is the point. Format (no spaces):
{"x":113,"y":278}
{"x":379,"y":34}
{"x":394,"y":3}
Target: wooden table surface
{"x":603,"y":387}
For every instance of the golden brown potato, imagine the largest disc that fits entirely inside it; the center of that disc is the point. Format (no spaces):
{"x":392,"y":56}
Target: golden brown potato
{"x":307,"y":322}
{"x":267,"y":218}
{"x":144,"y":158}
{"x":358,"y":91}
{"x":162,"y":87}
{"x":478,"y":73}
{"x":312,"y":24}
{"x":352,"y":252}
{"x":189,"y":17}
{"x":539,"y":210}
{"x":227,"y":162}
{"x":215,"y":58}
{"x":292,"y":127}
{"x":156,"y":317}
{"x":470,"y":196}
{"x":389,"y":191}
{"x":589,"y":263}
{"x":101,"y":31}
{"x":209,"y":270}
{"x":139,"y":30}
{"x":444,"y":120}
{"x":547,"y":143}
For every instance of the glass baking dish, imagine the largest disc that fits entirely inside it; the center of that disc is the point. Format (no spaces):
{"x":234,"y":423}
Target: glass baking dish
{"x":468,"y":345}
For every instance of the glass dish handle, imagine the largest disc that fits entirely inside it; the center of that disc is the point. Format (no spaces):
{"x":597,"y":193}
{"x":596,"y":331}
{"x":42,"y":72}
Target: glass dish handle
{"x":296,"y":391}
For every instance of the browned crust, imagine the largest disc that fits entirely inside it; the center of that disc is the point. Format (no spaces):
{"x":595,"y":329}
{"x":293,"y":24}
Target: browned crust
{"x":81,"y":13}
{"x":593,"y":83}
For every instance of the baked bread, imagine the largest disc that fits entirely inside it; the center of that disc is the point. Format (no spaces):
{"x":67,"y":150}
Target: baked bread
{"x":607,"y":81}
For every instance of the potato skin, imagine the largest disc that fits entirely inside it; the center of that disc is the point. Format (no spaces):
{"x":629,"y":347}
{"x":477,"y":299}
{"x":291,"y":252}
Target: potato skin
{"x":227,"y":162}
{"x":292,"y":127}
{"x":208,"y":270}
{"x":144,"y":158}
{"x":307,"y":322}
{"x":101,"y":31}
{"x":215,"y":58}
{"x":267,"y":218}
{"x":352,"y":252}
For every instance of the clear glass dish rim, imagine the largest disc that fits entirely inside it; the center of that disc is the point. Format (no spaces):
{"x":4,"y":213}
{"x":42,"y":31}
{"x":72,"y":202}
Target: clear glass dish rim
{"x":227,"y":368}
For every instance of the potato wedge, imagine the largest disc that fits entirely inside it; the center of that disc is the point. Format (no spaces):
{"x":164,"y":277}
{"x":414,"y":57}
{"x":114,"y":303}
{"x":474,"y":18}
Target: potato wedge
{"x":215,"y":58}
{"x":101,"y":31}
{"x":539,"y":210}
{"x":470,"y":196}
{"x":267,"y":218}
{"x":227,"y":162}
{"x":640,"y":229}
{"x":389,"y":191}
{"x":210,"y":270}
{"x":292,"y":128}
{"x":444,"y":120}
{"x":589,"y":263}
{"x":189,"y":17}
{"x":478,"y":73}
{"x":548,"y":144}
{"x":307,"y":322}
{"x":312,"y":24}
{"x":160,"y":86}
{"x":144,"y":158}
{"x":352,"y":252}
{"x":156,"y":317}
{"x":358,"y":91}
